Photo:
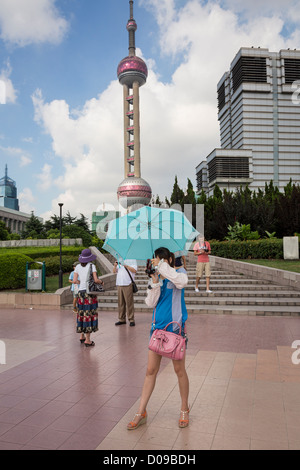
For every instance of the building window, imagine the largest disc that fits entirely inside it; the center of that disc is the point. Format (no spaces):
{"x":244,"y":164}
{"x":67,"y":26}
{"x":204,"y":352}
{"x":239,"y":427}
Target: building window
{"x":292,"y":70}
{"x":228,"y":167}
{"x":200,"y":180}
{"x":249,"y":69}
{"x":221,"y":96}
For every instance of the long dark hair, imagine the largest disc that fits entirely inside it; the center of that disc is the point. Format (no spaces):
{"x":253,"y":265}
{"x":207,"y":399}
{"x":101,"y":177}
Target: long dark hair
{"x":164,"y":253}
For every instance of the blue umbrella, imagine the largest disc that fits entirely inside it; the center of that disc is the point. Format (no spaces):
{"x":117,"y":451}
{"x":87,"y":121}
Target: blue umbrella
{"x":138,"y":234}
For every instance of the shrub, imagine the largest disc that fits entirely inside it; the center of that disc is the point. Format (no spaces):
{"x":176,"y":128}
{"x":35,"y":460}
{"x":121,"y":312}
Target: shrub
{"x":13,"y":271}
{"x":73,"y":231}
{"x":43,"y":252}
{"x":241,"y":232}
{"x":249,"y":249}
{"x":53,"y":264}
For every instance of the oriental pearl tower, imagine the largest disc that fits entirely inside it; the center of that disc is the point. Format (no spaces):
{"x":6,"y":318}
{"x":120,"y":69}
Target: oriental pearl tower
{"x":132,"y":74}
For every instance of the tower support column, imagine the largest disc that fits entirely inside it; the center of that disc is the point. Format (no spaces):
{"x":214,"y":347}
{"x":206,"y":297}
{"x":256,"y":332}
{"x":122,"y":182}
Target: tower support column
{"x":126,"y":124}
{"x":136,"y":123}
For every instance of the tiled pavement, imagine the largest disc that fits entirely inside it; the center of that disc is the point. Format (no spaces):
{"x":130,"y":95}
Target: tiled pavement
{"x":57,"y":394}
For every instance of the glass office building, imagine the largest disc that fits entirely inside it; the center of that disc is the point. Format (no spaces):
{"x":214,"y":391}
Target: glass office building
{"x":8,"y":192}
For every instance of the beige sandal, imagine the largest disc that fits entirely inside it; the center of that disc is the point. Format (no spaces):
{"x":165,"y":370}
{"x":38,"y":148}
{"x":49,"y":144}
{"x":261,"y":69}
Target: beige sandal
{"x":132,"y":425}
{"x":184,"y":419}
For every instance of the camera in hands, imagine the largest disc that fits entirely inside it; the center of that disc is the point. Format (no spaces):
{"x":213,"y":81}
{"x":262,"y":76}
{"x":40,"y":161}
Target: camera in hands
{"x":149,"y":268}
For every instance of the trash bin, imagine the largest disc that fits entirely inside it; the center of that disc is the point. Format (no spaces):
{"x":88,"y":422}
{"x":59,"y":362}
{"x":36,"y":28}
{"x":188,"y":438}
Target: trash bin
{"x":36,"y":278}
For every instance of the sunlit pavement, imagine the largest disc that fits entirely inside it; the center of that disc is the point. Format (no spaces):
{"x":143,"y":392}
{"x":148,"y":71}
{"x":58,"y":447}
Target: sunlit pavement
{"x":57,"y":394}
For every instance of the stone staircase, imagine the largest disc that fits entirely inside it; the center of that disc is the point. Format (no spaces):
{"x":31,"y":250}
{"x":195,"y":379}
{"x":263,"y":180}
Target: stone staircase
{"x":232,"y":294}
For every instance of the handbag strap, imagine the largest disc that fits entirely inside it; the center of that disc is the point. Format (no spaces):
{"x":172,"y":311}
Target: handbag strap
{"x":165,"y":328}
{"x":128,"y":273}
{"x":90,"y":273}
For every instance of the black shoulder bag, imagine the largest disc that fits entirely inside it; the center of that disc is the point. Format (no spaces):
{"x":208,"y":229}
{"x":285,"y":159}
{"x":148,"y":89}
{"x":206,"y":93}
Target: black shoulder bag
{"x":91,"y":286}
{"x":134,"y":286}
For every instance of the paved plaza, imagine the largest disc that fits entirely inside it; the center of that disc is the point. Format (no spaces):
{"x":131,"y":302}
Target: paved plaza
{"x":57,"y":394}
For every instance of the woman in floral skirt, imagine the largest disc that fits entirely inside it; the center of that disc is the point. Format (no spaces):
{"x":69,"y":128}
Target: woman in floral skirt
{"x":87,"y":304}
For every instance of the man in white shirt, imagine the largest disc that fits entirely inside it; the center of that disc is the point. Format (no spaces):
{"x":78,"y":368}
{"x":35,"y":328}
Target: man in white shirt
{"x":125,"y":291}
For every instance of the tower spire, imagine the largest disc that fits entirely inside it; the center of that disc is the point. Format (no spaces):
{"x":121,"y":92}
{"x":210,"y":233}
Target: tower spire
{"x":131,"y":9}
{"x":131,"y":28}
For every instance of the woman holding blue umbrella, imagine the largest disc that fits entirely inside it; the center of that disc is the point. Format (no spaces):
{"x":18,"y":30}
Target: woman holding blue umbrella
{"x":166,"y":296}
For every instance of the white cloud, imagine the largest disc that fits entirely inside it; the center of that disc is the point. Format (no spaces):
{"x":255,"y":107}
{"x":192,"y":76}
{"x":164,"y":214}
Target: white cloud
{"x":25,"y":160}
{"x":164,"y":10}
{"x":45,"y":178}
{"x":255,"y":8}
{"x":24,"y":22}
{"x":8,"y":92}
{"x":179,"y":125}
{"x":16,"y":152}
{"x":26,"y":201}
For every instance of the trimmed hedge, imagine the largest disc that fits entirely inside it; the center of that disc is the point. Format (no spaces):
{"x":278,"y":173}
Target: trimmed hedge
{"x":13,"y":271}
{"x":250,"y":249}
{"x":53,"y":264}
{"x":42,"y":253}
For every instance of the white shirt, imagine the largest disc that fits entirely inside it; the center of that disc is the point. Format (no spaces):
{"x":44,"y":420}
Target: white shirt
{"x":123,"y":278}
{"x":83,"y":272}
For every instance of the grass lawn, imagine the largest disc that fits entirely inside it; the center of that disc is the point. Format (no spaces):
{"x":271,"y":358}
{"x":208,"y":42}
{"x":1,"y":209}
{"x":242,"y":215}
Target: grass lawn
{"x":52,"y":282}
{"x":287,"y":265}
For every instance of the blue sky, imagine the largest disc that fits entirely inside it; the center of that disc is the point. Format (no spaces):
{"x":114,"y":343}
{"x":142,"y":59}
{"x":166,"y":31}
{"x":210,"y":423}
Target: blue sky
{"x":61,"y":126}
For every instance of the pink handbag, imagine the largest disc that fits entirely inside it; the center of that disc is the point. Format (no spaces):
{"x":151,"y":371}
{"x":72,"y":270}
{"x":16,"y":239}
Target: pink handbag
{"x":168,"y":344}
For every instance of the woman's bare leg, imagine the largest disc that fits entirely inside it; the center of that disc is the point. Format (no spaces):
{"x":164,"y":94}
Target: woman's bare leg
{"x":183,"y":382}
{"x":149,"y":383}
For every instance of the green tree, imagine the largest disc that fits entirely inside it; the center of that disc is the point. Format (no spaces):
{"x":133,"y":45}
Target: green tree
{"x":4,"y":231}
{"x":157,"y":201}
{"x":53,"y":233}
{"x":73,"y":231}
{"x":34,"y":228}
{"x":167,"y":202}
{"x":189,"y":197}
{"x":53,"y":223}
{"x":82,"y":222}
{"x":287,"y":208}
{"x":177,"y":194}
{"x":68,"y":219}
{"x":202,"y":198}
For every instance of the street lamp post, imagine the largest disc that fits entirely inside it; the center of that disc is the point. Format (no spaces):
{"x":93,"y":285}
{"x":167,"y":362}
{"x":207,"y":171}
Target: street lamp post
{"x":60,"y":275}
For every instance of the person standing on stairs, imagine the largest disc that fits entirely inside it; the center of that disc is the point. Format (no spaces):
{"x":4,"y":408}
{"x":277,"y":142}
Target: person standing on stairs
{"x":125,"y":276}
{"x":202,"y":249}
{"x":180,"y":261}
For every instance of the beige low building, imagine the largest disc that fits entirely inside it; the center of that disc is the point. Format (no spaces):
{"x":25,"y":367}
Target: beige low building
{"x":15,"y":220}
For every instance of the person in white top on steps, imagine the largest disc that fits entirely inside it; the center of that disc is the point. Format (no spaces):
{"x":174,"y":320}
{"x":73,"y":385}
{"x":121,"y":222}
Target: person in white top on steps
{"x":202,"y":249}
{"x":125,"y":292}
